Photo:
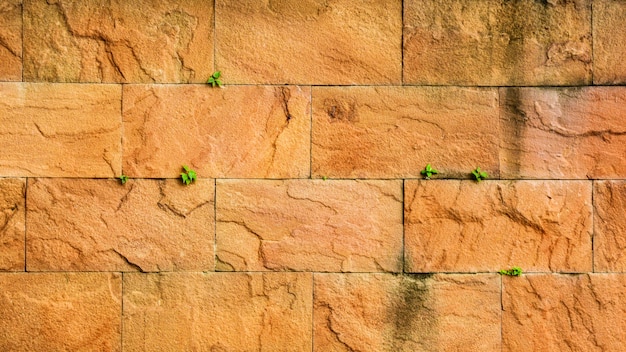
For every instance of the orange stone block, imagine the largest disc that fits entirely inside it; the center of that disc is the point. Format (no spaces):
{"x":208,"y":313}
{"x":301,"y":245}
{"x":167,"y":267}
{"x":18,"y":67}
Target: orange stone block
{"x":12,"y":224}
{"x":11,"y":40}
{"x":609,"y":42}
{"x":609,"y":241}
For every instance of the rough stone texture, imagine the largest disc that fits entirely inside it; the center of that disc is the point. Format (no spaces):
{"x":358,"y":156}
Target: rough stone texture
{"x":609,"y":205}
{"x":100,"y":225}
{"x":496,"y":42}
{"x":392,"y":132}
{"x":248,"y":131}
{"x":11,"y":40}
{"x":217,"y":312}
{"x":60,"y":312}
{"x":119,"y":41}
{"x":12,"y":224}
{"x":564,"y":313}
{"x":563,"y":133}
{"x":381,"y":312}
{"x":309,"y":42}
{"x":61,"y":130}
{"x":461,"y":226}
{"x":609,"y":42}
{"x":309,"y":225}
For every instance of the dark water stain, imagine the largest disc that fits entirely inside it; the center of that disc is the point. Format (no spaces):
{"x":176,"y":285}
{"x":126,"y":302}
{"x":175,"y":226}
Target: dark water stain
{"x":512,"y":123}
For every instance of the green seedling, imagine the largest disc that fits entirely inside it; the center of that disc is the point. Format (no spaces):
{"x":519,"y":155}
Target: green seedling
{"x":324,"y":178}
{"x":514,"y":271}
{"x":123,"y":179}
{"x":428,"y":172}
{"x":479,"y":175}
{"x":188,"y":176}
{"x":215,"y":79}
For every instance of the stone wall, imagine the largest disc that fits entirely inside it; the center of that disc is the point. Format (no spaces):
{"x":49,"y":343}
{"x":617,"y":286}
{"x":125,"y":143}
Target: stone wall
{"x":311,"y":227}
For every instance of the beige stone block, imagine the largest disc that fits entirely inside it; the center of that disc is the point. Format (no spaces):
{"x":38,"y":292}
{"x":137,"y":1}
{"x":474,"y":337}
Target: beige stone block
{"x":609,"y":241}
{"x":11,"y":40}
{"x":461,"y":226}
{"x":101,"y":225}
{"x":609,"y":42}
{"x":309,"y":225}
{"x":12,"y":223}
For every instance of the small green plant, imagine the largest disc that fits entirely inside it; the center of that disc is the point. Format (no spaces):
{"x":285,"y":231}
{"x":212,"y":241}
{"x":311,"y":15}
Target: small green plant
{"x":215,"y":79}
{"x":188,"y":176}
{"x":514,"y":271}
{"x":123,"y":179}
{"x":324,"y":178}
{"x":428,"y":172}
{"x":479,"y":175}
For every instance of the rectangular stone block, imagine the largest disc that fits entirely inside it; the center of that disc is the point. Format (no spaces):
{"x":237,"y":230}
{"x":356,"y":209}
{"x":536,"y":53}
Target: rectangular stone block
{"x":217,"y":312}
{"x":609,"y":220}
{"x":550,"y":312}
{"x":11,"y":40}
{"x":393,"y":132}
{"x":60,"y":130}
{"x":461,"y":226}
{"x":248,"y":131}
{"x":309,"y":42}
{"x":60,"y":312}
{"x":101,"y":225}
{"x":12,"y":223}
{"x":382,"y":312}
{"x":309,"y":225}
{"x":497,"y":42}
{"x":121,"y":41}
{"x":568,"y":133}
{"x":609,"y":42}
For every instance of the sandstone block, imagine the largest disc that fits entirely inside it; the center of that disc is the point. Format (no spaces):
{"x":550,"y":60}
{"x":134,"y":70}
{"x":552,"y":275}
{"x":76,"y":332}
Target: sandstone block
{"x":382,"y":312}
{"x":12,"y":224}
{"x":309,"y":42}
{"x":60,"y":312}
{"x":609,"y":241}
{"x":609,"y":42}
{"x":310,"y":225}
{"x":125,"y":41}
{"x":393,"y":132}
{"x":11,"y":40}
{"x":217,"y":312}
{"x":60,"y":130}
{"x":564,"y":313}
{"x":563,"y":133}
{"x":100,"y":225}
{"x":496,"y":42}
{"x":458,"y":226}
{"x":249,"y":131}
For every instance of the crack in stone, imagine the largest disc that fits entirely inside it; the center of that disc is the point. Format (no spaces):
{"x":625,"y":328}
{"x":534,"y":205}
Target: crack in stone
{"x":127,"y":261}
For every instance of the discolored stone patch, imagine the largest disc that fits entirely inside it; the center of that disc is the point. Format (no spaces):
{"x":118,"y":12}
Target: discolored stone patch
{"x":244,"y":132}
{"x":217,"y":312}
{"x":60,"y":312}
{"x":382,"y":312}
{"x":100,"y":225}
{"x":11,"y":40}
{"x":309,"y":42}
{"x":494,"y":42}
{"x":393,"y":132}
{"x":463,"y":226}
{"x":609,"y":204}
{"x":609,"y":42}
{"x":125,"y":41}
{"x":310,"y":225}
{"x":12,"y":224}
{"x":551,"y":312}
{"x":568,"y":133}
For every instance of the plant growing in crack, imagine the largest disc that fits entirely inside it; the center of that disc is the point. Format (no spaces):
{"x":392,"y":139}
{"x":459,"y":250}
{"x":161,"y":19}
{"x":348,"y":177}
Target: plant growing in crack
{"x":479,"y":175}
{"x":123,"y":179}
{"x":428,"y":172}
{"x":188,"y":176}
{"x":514,"y":271}
{"x":215,"y":79}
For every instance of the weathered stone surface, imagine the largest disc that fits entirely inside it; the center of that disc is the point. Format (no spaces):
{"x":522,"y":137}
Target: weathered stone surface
{"x":217,"y":312}
{"x":609,"y":204}
{"x":314,"y":225}
{"x":147,"y":225}
{"x":309,"y":42}
{"x":564,"y":313}
{"x":11,"y":40}
{"x":12,"y":224}
{"x":609,"y":42}
{"x":563,"y":133}
{"x":392,"y":132}
{"x":382,"y":312}
{"x":495,"y":42}
{"x":232,"y":132}
{"x":459,"y":226}
{"x":60,"y":130}
{"x":121,"y":41}
{"x":60,"y":312}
